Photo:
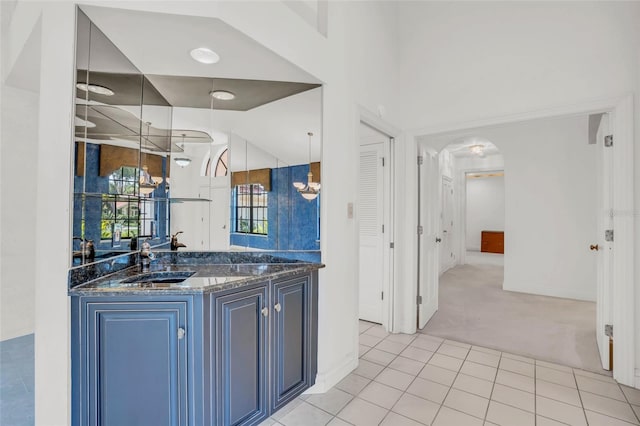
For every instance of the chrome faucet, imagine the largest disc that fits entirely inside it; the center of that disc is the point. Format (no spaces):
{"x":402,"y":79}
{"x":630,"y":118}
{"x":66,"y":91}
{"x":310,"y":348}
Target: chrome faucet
{"x":174,"y":241}
{"x":146,"y":255}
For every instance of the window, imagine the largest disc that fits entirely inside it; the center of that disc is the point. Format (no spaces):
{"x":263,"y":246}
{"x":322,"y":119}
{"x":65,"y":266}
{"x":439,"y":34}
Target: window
{"x":251,"y":209}
{"x":120,"y":209}
{"x":221,"y":165}
{"x":119,"y":212}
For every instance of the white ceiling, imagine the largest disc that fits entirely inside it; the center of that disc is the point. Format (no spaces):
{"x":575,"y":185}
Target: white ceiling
{"x":160,"y":44}
{"x":278,"y":127}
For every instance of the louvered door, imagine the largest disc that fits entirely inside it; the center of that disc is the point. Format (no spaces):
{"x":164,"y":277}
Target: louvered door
{"x":371,"y":202}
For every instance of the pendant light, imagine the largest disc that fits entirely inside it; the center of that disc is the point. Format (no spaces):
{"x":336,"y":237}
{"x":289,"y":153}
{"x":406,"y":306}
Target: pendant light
{"x":311,"y":189}
{"x":182,"y":161}
{"x":148,"y":184}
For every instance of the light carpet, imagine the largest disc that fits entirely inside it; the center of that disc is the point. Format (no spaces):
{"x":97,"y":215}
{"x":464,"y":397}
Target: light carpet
{"x":474,"y":309}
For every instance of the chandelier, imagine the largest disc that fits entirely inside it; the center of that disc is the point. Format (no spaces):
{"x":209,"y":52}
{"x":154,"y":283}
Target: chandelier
{"x":311,"y":189}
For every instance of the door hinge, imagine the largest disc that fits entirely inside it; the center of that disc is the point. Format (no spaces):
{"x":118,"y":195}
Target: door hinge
{"x":382,"y":295}
{"x":420,"y":230}
{"x":608,"y":235}
{"x":383,"y":228}
{"x":608,"y":330}
{"x":420,"y":160}
{"x":419,"y":300}
{"x":382,"y":161}
{"x":392,"y":245}
{"x":608,"y":141}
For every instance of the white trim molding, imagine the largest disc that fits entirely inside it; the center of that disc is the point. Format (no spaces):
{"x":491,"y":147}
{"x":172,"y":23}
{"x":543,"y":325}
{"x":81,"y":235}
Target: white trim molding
{"x":366,"y":117}
{"x":325,"y":381}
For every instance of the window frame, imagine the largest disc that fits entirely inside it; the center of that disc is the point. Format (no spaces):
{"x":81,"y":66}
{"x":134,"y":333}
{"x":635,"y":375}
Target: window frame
{"x":253,"y":207}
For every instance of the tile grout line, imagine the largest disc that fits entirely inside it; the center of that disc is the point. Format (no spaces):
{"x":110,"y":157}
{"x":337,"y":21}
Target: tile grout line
{"x":417,"y":375}
{"x":584,"y":410}
{"x":493,"y":386}
{"x":373,"y":379}
{"x":454,"y":380}
{"x":629,"y":403}
{"x":389,"y":410}
{"x":414,"y":379}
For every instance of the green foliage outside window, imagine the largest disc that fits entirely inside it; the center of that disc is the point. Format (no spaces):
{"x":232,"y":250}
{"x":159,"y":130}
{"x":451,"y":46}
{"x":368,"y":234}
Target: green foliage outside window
{"x":119,"y":207}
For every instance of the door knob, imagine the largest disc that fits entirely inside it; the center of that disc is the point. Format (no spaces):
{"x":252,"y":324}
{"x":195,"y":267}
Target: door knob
{"x":277,"y":307}
{"x":438,"y":240}
{"x":593,"y":247}
{"x":265,"y":312}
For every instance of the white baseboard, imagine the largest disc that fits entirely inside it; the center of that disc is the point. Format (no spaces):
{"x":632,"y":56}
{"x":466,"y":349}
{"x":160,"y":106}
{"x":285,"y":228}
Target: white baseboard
{"x":327,"y":380}
{"x":637,"y":383}
{"x":12,"y":334}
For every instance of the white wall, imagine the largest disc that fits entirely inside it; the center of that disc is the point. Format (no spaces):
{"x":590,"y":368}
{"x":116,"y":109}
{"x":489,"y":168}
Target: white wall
{"x":485,"y":208}
{"x":486,"y":59}
{"x":481,"y":61}
{"x":18,"y":188}
{"x":550,"y":207}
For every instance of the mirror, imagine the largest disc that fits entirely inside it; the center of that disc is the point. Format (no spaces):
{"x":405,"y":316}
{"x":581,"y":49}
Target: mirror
{"x":107,"y":140}
{"x":156,"y":155}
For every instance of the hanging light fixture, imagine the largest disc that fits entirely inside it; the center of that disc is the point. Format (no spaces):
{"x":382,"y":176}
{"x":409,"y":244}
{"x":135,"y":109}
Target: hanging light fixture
{"x":311,"y":189}
{"x":148,"y":184}
{"x":182,"y":161}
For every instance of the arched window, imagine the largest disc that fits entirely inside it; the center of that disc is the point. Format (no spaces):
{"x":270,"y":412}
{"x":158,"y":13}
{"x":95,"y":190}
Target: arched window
{"x":222,"y":165}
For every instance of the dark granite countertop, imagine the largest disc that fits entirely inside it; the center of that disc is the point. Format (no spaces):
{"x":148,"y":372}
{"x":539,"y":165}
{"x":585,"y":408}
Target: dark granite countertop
{"x":204,"y":274}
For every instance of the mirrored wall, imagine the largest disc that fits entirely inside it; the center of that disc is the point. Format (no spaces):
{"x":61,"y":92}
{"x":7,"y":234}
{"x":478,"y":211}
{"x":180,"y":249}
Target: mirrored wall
{"x":157,"y":156}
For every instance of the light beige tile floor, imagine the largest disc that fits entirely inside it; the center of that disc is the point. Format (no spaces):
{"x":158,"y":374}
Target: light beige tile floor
{"x":419,"y":380}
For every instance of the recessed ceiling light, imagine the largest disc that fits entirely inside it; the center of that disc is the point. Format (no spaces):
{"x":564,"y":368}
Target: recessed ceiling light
{"x":94,"y":88}
{"x":477,"y":149}
{"x":204,"y":55}
{"x":223,"y":95}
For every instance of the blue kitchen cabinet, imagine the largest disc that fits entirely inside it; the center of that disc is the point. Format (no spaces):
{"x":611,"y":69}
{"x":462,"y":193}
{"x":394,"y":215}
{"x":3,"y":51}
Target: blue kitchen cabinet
{"x":291,"y":335}
{"x":130,"y":361}
{"x":266,"y":348}
{"x":224,"y":358}
{"x":241,"y":320}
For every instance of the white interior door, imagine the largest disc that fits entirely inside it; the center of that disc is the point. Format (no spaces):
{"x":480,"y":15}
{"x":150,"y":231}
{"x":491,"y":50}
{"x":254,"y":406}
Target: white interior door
{"x":428,"y":215}
{"x":604,"y":250}
{"x":371,"y":214}
{"x":447,"y":257}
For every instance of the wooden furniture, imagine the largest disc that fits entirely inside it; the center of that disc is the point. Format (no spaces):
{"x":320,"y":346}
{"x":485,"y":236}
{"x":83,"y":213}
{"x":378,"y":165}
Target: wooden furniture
{"x":492,"y":242}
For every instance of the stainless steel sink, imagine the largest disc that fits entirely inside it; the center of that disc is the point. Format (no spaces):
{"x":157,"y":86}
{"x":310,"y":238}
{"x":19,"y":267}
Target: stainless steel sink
{"x":158,"y":278}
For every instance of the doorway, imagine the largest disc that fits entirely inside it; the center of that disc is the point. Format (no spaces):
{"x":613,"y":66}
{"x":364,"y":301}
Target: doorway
{"x":564,"y":249}
{"x":375,"y":198}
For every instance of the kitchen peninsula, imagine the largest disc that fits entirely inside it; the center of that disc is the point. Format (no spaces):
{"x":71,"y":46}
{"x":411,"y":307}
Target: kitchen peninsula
{"x":194,"y":338}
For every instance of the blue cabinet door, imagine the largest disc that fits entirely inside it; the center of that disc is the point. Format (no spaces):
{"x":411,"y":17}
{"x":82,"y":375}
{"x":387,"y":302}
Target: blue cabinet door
{"x":291,"y":332}
{"x":241,"y":356}
{"x":134,"y":370}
